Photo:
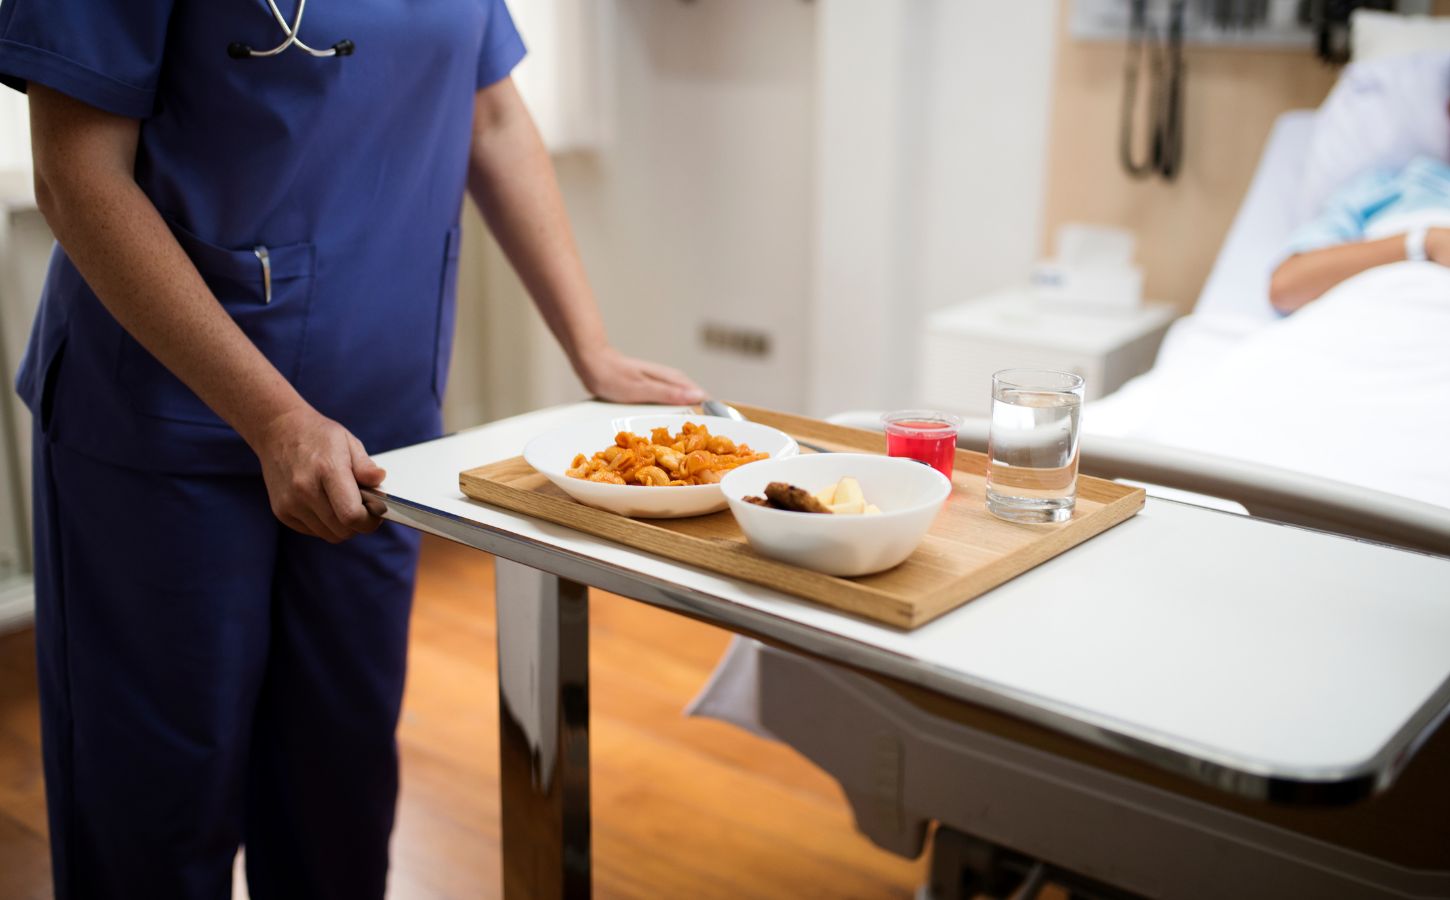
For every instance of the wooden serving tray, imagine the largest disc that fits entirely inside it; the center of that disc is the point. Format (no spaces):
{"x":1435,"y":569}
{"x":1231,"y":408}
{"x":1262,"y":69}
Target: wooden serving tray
{"x":967,"y":552}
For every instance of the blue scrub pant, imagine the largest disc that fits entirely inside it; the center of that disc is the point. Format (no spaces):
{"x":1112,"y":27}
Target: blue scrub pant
{"x":209,"y":678}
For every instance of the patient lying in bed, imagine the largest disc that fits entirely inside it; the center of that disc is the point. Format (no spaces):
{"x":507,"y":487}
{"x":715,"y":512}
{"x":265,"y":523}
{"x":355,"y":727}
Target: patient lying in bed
{"x":1379,"y":218}
{"x":1355,"y":385}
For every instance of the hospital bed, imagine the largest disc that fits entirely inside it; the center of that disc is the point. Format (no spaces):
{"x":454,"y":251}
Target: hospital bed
{"x":1337,"y":492}
{"x":1008,"y":815}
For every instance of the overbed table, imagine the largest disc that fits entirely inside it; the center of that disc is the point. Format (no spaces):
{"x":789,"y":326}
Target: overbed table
{"x":1258,"y":662}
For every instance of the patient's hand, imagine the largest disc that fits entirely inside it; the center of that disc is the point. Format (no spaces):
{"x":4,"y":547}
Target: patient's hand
{"x":1437,"y":245}
{"x":1304,"y":277}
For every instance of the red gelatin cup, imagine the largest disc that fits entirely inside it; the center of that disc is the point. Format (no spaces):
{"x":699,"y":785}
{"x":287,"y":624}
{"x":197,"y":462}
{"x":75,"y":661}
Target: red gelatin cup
{"x":924,"y":435}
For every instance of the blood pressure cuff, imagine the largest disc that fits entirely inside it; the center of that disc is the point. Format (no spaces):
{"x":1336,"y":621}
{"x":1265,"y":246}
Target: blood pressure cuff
{"x":106,"y":53}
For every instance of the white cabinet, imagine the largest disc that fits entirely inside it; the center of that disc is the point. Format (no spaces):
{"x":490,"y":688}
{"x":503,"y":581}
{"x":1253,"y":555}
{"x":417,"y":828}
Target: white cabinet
{"x":963,"y":345}
{"x":25,"y":244}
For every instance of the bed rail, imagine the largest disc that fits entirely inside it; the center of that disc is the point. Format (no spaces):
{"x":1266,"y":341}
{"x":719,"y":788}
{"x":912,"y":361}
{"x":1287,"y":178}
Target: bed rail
{"x":1267,"y":492}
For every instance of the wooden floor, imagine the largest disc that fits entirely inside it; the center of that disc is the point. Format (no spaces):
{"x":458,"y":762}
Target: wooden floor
{"x":24,"y":860}
{"x":682,"y":807}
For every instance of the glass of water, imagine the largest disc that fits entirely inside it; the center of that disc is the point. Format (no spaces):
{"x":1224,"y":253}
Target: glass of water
{"x":1032,"y":446}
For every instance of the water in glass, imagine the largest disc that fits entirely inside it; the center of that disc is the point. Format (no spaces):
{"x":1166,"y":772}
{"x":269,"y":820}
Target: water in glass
{"x":1033,"y":453}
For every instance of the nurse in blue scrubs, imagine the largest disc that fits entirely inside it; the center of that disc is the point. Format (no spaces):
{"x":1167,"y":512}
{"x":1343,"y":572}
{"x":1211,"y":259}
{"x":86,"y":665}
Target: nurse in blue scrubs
{"x":253,"y":290}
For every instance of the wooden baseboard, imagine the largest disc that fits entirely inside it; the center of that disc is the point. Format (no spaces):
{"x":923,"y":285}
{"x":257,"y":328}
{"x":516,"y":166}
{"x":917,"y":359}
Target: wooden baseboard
{"x":17,"y":604}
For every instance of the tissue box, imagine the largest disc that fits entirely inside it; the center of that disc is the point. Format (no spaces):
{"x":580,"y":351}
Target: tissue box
{"x":1108,"y":287}
{"x":1093,"y":268}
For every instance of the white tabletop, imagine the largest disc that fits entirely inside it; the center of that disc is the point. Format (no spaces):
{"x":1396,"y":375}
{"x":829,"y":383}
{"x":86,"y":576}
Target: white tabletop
{"x":1213,"y":638}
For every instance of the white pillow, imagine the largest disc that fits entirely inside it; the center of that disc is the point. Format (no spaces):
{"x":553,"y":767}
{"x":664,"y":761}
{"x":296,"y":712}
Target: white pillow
{"x":1382,"y":113}
{"x":1376,"y":35}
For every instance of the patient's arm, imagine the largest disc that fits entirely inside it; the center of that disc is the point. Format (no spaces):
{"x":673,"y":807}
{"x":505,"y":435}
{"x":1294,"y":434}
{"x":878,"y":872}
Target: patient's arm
{"x":1304,"y":277}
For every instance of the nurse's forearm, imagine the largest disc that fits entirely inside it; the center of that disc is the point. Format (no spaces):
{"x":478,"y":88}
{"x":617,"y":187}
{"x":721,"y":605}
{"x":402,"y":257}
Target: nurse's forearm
{"x":85,"y":162}
{"x":511,"y":178}
{"x":86,"y":189}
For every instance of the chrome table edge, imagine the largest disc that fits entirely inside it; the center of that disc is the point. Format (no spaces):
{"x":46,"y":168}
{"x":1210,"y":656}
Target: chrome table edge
{"x":543,"y":732}
{"x":1242,"y":777}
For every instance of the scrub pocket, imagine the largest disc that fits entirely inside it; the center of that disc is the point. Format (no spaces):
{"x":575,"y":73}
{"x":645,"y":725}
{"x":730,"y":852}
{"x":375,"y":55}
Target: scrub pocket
{"x":447,"y":312}
{"x":278,"y":327}
{"x":50,"y":373}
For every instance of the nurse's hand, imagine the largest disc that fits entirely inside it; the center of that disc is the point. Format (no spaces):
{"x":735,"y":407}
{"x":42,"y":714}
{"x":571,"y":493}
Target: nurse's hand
{"x":610,"y":375}
{"x":313,"y":467}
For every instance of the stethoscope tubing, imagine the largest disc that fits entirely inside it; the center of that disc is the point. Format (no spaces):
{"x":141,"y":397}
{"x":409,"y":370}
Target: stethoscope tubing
{"x":292,"y":31}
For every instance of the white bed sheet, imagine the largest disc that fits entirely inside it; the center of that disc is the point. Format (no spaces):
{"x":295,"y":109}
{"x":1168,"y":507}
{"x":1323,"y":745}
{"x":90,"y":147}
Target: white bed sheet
{"x":1354,"y":387}
{"x":1193,"y":345}
{"x":1235,"y":299}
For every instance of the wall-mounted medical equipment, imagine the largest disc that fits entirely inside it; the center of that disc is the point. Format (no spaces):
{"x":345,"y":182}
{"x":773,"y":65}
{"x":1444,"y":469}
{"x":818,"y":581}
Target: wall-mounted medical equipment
{"x":239,"y":50}
{"x":1150,"y":139}
{"x":1163,"y":53}
{"x":1265,"y":24}
{"x":1258,"y":23}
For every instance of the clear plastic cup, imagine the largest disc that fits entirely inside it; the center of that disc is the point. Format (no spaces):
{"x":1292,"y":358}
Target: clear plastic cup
{"x":1032,"y":447}
{"x":925,"y":435}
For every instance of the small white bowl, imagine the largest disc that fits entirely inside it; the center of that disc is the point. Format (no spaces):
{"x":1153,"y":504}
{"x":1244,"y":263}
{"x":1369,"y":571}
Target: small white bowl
{"x":552,"y":452}
{"x":908,"y":493}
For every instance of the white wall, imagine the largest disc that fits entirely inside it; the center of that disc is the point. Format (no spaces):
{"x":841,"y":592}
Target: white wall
{"x":15,"y":595}
{"x":930,"y":168}
{"x":14,"y":130}
{"x":25,"y":243}
{"x":697,"y":208}
{"x":826,"y":171}
{"x":985,"y":149}
{"x":567,"y":77}
{"x":860,"y":311}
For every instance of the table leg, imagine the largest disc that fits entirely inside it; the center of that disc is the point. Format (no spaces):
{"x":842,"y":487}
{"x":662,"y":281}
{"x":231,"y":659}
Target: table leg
{"x":543,"y":717}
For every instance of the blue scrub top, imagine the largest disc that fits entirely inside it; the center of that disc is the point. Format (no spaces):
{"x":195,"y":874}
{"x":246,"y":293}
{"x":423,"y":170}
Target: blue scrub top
{"x":351,"y":171}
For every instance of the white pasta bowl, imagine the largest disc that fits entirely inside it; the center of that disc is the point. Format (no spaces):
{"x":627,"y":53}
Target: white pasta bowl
{"x":553,"y":452}
{"x":908,"y":493}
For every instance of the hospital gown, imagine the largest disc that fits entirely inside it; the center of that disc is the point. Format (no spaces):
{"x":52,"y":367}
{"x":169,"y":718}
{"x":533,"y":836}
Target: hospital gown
{"x":1377,"y":204}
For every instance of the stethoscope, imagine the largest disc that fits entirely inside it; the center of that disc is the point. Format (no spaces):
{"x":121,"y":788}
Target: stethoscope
{"x":238,"y":50}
